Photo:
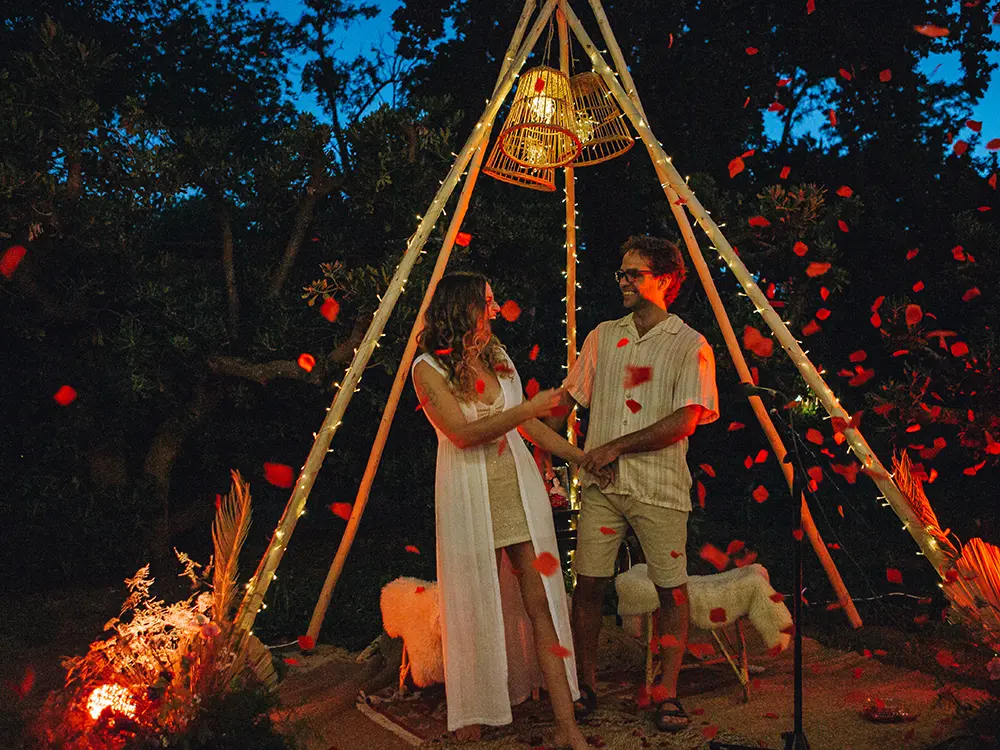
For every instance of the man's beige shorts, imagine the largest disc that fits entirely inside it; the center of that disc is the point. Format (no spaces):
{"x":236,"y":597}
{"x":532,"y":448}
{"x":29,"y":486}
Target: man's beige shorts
{"x":660,"y":531}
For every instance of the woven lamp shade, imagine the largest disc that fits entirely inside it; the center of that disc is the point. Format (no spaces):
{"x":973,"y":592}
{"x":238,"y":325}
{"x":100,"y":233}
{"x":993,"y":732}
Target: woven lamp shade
{"x":540,"y":130}
{"x":503,"y":168}
{"x":600,"y":124}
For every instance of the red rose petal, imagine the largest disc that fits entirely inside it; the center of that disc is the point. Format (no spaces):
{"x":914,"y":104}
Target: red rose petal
{"x":815,"y":269}
{"x":546,"y":564}
{"x":913,"y":315}
{"x":702,"y":492}
{"x":307,"y":362}
{"x":560,"y":650}
{"x":974,"y":125}
{"x":842,"y":226}
{"x":959,"y":349}
{"x":412,"y":549}
{"x":280,"y":475}
{"x":633,"y":405}
{"x":341,"y":510}
{"x":675,"y":554}
{"x":800,"y":248}
{"x":844,"y":191}
{"x":712,"y":554}
{"x":785,"y":171}
{"x":885,"y":76}
{"x":419,"y":590}
{"x":510,"y":311}
{"x":752,"y":50}
{"x":734,"y":546}
{"x":533,"y":354}
{"x":608,"y":532}
{"x":306,"y":642}
{"x":797,"y":534}
{"x":911,"y":254}
{"x":734,"y":426}
{"x":930,"y":30}
{"x":330,"y":309}
{"x":635,"y":376}
{"x":622,"y":342}
{"x":481,"y":387}
{"x":814,"y":436}
{"x":777,"y":598}
{"x":760,"y":494}
{"x":65,"y":396}
{"x":758,"y":221}
{"x":463,"y":239}
{"x":892,"y":575}
{"x":735,"y":167}
{"x":11,"y":259}
{"x":532,"y":388}
{"x":707,"y":468}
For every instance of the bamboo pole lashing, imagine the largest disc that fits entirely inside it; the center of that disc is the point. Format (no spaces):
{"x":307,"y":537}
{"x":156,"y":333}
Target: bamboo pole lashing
{"x":402,"y":373}
{"x":869,"y":461}
{"x":259,"y":583}
{"x":728,"y":334}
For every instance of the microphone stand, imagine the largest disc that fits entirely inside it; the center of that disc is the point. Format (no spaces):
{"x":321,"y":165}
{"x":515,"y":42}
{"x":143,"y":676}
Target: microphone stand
{"x":795,"y":739}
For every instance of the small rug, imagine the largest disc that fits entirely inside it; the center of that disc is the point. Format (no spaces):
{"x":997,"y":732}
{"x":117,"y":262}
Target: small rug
{"x":837,"y":686}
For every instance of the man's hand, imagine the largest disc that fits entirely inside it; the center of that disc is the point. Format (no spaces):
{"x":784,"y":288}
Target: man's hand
{"x":597,"y":459}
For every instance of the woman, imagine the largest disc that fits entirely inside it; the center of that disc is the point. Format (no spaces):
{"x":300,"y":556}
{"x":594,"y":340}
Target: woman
{"x":493,"y":520}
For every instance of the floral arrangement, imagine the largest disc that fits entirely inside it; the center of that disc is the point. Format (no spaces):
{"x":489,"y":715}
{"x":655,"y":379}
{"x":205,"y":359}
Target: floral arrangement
{"x":148,"y":682}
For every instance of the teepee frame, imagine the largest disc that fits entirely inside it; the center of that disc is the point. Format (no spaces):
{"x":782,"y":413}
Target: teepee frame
{"x":680,"y":196}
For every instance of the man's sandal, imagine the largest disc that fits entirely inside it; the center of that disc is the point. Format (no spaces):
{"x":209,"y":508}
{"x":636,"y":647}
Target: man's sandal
{"x":672,"y":719}
{"x":586,"y":704}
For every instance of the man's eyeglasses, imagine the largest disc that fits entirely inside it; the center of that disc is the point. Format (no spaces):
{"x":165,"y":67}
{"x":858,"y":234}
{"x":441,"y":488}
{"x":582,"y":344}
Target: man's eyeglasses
{"x":633,"y":274}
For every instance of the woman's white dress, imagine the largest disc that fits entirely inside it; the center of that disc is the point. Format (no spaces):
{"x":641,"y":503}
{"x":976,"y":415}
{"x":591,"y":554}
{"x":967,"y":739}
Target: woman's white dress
{"x":489,"y":653}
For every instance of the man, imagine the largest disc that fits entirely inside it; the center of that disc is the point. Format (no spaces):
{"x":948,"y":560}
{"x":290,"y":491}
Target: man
{"x":649,"y":381}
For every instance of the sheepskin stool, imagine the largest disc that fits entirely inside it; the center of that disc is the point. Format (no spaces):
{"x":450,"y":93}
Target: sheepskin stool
{"x":410,"y":610}
{"x":716,"y":601}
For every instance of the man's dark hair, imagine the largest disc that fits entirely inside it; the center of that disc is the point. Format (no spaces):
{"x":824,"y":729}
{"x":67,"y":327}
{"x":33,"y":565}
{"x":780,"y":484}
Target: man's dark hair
{"x":663,"y":257}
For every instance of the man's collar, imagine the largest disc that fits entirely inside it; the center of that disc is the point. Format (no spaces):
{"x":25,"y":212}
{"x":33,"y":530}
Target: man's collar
{"x":670,"y":324}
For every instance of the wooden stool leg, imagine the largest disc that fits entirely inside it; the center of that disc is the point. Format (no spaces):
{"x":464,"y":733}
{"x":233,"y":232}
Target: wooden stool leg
{"x":744,"y":666}
{"x":404,"y":670}
{"x":649,"y":650}
{"x":740,"y":675}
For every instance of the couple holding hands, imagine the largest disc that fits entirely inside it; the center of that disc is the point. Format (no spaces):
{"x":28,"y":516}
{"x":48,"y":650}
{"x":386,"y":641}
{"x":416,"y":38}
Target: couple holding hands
{"x":648,"y":381}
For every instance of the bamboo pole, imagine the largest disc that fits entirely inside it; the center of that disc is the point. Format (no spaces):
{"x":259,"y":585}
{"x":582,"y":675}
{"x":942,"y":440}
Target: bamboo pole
{"x":729,"y":335}
{"x":402,"y":374}
{"x":570,"y":190}
{"x":261,"y":580}
{"x":670,"y":177}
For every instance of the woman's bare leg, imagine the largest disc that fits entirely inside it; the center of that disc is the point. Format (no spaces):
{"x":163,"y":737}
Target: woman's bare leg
{"x":536,"y":604}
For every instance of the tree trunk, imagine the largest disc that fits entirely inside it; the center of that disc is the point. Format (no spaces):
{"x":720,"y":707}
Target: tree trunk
{"x":167,"y":443}
{"x":316,"y":189}
{"x":229,"y":269}
{"x":74,"y":178}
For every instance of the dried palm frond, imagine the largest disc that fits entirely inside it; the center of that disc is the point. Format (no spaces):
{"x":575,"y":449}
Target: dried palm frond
{"x":229,"y":531}
{"x":913,"y":490}
{"x":974,"y":591}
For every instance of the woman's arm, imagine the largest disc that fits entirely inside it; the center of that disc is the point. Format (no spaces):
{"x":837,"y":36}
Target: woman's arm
{"x":443,"y":410}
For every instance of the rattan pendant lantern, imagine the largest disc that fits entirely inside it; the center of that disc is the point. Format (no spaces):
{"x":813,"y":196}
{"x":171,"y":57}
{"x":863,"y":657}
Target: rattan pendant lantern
{"x":503,"y":168}
{"x":600,"y":123}
{"x":540,"y":131}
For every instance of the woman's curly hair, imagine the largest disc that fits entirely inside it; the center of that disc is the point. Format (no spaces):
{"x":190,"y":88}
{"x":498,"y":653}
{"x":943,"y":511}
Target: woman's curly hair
{"x":456,"y":331}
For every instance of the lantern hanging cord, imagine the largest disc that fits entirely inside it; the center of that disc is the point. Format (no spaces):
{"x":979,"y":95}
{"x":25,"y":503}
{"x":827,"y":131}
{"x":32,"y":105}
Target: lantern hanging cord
{"x":548,"y":40}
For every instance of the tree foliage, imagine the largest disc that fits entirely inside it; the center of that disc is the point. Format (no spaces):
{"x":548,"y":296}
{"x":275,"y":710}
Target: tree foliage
{"x":183,"y":216}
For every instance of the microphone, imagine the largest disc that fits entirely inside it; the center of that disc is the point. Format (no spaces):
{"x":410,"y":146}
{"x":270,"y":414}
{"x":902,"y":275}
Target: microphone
{"x":749,"y":389}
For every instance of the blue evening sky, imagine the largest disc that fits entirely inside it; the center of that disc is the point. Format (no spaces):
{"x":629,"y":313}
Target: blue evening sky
{"x":378,"y":31}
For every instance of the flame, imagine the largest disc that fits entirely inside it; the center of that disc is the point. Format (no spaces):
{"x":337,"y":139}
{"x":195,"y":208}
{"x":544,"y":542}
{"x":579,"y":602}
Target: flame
{"x":114,"y":696}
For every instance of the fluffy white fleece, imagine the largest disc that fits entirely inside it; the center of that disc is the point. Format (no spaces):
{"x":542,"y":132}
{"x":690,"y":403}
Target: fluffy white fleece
{"x":738,"y":592}
{"x":415,"y":617}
